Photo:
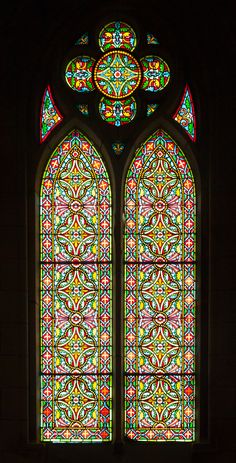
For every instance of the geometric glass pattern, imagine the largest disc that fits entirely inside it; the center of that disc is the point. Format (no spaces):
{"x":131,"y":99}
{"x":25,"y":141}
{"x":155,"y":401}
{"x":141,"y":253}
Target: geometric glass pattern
{"x":160,"y":276}
{"x":79,"y":74}
{"x":156,"y":73}
{"x":117,"y":74}
{"x":50,"y":115}
{"x":117,"y":112}
{"x":152,"y":40}
{"x":76,"y":289}
{"x":185,"y":114}
{"x":117,"y":35}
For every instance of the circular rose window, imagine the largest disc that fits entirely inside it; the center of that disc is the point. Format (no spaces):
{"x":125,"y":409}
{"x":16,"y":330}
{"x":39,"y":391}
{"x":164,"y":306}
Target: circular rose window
{"x":117,"y":74}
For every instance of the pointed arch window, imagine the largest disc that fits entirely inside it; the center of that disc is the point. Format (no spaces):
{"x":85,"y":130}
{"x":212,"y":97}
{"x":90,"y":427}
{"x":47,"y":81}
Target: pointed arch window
{"x":159,"y":269}
{"x":76,"y":284}
{"x":155,"y":253}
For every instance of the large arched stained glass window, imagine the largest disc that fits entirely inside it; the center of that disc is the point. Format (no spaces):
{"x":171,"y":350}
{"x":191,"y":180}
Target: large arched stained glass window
{"x":160,"y":240}
{"x":75,"y":230}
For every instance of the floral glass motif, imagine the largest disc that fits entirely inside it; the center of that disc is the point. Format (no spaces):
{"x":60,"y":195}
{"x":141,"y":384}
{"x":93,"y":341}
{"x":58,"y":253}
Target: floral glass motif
{"x":117,"y":74}
{"x":117,"y":35}
{"x":160,"y":275}
{"x":156,"y":73}
{"x":118,"y":148}
{"x":79,"y":74}
{"x":185,"y":114}
{"x":119,"y":112}
{"x":76,"y":293}
{"x":50,"y":115}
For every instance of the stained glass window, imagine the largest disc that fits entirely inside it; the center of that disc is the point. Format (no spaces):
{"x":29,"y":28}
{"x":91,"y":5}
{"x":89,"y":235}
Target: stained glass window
{"x":117,"y":34}
{"x":160,"y":242}
{"x":151,"y":108}
{"x":117,"y":74}
{"x":159,"y":291}
{"x":83,"y":40}
{"x":185,"y":114}
{"x":117,"y":112}
{"x":50,"y":115}
{"x":152,"y":40}
{"x":156,"y":73}
{"x":79,"y":74}
{"x":76,"y":294}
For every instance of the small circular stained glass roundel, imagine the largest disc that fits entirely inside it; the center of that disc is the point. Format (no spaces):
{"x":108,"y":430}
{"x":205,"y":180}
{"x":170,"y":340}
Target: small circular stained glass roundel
{"x":117,"y":74}
{"x":117,"y":112}
{"x":79,"y":74}
{"x":117,"y":34}
{"x":156,"y":73}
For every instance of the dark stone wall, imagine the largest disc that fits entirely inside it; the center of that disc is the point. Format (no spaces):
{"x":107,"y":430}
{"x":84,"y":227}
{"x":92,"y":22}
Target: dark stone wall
{"x":32,"y":34}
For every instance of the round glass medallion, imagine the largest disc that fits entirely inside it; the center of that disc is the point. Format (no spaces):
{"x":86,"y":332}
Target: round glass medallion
{"x":79,"y":74}
{"x":117,"y":34}
{"x":117,"y":74}
{"x":156,"y":73}
{"x":117,"y":112}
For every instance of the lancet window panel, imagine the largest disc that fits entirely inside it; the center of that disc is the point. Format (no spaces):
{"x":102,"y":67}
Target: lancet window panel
{"x":160,"y":293}
{"x":76,"y":295}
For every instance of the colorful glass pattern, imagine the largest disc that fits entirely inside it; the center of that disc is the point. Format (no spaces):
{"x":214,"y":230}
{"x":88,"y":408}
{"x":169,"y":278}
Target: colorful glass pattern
{"x":117,"y":35}
{"x":160,"y":275}
{"x":50,"y":116}
{"x":117,"y":74}
{"x":152,"y":40}
{"x":118,"y":148}
{"x":83,"y":40}
{"x":185,"y":114}
{"x":79,"y":74}
{"x":117,"y":112}
{"x":76,"y":292}
{"x":151,"y":108}
{"x":156,"y":73}
{"x":83,"y":108}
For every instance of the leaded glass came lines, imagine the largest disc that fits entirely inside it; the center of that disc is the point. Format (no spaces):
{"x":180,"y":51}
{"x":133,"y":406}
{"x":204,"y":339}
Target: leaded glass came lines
{"x":50,"y":115}
{"x":76,"y":294}
{"x":185,"y":114}
{"x":160,"y":275}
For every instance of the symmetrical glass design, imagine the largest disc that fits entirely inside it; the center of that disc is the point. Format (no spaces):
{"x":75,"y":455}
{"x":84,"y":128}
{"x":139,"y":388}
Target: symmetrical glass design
{"x":117,"y":74}
{"x":79,"y":74}
{"x":50,"y":115}
{"x":185,"y":114}
{"x":76,"y":293}
{"x":117,"y":112}
{"x":156,"y":73}
{"x":118,"y":148}
{"x":159,"y":289}
{"x":117,"y":34}
{"x":159,"y":293}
